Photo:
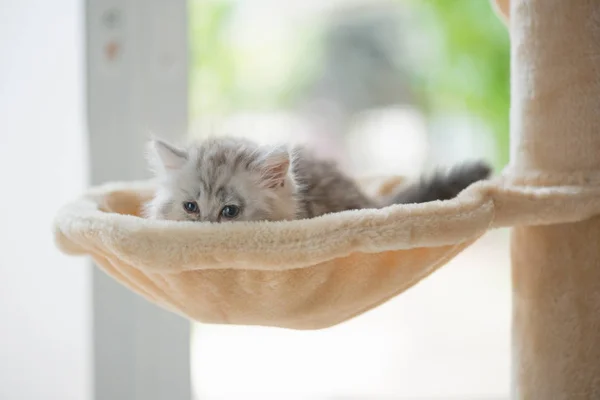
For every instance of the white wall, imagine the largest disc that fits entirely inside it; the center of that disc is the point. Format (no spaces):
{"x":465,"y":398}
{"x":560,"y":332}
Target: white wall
{"x":44,"y":296}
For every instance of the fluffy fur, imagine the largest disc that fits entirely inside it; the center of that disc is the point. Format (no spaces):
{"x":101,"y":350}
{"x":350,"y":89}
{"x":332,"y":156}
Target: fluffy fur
{"x":271,"y":183}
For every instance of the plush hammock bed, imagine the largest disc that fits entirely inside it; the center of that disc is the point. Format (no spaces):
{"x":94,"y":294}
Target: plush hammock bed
{"x":303,"y":274}
{"x":316,"y":273}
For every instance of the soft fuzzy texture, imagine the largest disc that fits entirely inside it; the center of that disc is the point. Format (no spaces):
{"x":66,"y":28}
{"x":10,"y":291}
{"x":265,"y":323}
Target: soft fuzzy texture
{"x":304,"y":274}
{"x":555,"y":118}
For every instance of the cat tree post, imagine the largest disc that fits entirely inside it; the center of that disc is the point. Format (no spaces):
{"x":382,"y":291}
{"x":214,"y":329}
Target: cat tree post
{"x":555,"y":134}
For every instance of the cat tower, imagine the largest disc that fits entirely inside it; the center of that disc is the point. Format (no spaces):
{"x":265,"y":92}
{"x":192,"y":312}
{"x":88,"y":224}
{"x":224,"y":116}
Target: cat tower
{"x":316,"y":273}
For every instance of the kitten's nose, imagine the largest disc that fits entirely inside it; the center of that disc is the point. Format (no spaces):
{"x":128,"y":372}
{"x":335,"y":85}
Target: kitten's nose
{"x":212,"y":219}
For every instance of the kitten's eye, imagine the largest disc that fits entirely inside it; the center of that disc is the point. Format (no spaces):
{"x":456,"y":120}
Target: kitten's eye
{"x":230,"y":211}
{"x":191,"y":207}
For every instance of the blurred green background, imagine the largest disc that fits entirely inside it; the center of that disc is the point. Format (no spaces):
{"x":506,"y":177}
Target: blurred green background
{"x":443,"y":57}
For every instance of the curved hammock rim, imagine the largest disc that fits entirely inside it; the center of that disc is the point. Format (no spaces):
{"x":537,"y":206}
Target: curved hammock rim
{"x":82,"y":225}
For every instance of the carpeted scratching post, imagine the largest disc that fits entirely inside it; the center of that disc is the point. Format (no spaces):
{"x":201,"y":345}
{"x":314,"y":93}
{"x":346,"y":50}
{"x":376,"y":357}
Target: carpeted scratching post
{"x":555,"y":134}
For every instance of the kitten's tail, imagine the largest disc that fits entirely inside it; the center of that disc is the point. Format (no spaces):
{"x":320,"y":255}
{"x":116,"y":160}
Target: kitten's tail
{"x":443,"y":186}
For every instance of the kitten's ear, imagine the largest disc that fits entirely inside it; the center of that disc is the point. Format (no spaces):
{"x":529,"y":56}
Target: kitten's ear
{"x":166,"y":156}
{"x":275,"y":167}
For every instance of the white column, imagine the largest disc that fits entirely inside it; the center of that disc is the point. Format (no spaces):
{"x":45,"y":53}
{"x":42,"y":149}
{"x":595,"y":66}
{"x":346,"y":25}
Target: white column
{"x":137,"y":84}
{"x":45,"y":297}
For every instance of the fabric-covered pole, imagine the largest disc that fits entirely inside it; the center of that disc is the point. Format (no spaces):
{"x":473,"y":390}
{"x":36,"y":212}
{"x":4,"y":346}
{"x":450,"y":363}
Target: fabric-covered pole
{"x":555,"y":135}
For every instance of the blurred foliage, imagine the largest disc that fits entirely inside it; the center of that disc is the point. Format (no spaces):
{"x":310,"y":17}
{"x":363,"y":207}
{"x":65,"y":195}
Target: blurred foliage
{"x":465,"y":71}
{"x":471,"y":70}
{"x":227,"y":75}
{"x":213,"y":61}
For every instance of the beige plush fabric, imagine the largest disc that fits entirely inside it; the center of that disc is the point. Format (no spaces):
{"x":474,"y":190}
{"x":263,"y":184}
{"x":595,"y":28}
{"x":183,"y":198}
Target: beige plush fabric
{"x":502,"y":8}
{"x":555,"y":122}
{"x":304,"y":274}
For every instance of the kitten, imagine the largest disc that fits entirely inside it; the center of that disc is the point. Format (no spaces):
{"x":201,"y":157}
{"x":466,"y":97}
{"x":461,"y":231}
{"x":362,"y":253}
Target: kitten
{"x":233,"y":179}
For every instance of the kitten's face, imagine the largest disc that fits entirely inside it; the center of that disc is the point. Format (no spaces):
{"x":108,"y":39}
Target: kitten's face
{"x":221,"y":180}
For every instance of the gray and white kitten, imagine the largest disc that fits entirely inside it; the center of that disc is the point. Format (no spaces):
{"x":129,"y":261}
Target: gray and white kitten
{"x":234,"y":179}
